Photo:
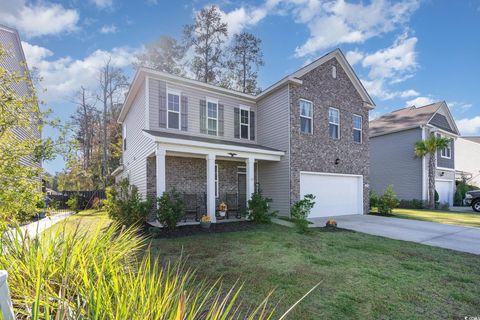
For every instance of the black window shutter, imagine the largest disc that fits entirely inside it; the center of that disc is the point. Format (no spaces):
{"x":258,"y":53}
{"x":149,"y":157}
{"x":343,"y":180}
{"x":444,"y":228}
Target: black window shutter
{"x":162,"y":97}
{"x":252,"y":125}
{"x":236,"y":122}
{"x":220,"y":120}
{"x":184,"y":113}
{"x":203,"y":116}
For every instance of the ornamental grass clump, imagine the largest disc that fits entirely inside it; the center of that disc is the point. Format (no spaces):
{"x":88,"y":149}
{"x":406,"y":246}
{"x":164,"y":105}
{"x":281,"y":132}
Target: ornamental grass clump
{"x":109,"y":274}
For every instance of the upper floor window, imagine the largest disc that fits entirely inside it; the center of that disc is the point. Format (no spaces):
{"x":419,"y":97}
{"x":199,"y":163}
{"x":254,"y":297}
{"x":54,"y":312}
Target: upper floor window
{"x":212,"y":117}
{"x":173,"y":110}
{"x":357,"y":128}
{"x":447,"y":152}
{"x":334,"y":123}
{"x":306,"y":116}
{"x":244,"y":123}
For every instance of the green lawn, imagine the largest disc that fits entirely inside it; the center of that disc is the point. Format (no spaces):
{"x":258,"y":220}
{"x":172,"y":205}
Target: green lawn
{"x":448,"y":217}
{"x":363,"y":277}
{"x":85,"y":220}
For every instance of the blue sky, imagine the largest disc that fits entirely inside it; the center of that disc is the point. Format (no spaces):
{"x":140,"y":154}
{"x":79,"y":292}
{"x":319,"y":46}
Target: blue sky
{"x":405,"y":52}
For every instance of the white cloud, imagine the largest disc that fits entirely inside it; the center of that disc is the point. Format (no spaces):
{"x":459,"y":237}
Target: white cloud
{"x":247,"y":17}
{"x":393,"y":62}
{"x":106,"y":29}
{"x":62,"y":77}
{"x":460,"y":106}
{"x":354,"y":56}
{"x":469,"y":126}
{"x":39,"y":18}
{"x":102,"y":4}
{"x":378,"y":89}
{"x":338,"y":22}
{"x":420,"y":101}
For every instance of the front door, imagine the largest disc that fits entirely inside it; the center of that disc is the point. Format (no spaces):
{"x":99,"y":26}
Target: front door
{"x":242,"y":190}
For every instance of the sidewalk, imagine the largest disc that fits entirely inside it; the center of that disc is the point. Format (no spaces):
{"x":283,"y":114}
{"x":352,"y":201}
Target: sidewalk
{"x":39,"y":226}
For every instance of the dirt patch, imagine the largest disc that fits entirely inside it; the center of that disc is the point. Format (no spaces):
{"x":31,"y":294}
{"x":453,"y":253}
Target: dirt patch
{"x":184,"y":231}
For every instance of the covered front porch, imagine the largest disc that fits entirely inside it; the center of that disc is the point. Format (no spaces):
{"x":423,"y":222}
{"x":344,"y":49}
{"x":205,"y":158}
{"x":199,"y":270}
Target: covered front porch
{"x":206,"y":174}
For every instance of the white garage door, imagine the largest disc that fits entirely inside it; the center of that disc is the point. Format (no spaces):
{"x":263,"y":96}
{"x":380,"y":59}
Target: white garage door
{"x":445,"y":191}
{"x":335,"y":194}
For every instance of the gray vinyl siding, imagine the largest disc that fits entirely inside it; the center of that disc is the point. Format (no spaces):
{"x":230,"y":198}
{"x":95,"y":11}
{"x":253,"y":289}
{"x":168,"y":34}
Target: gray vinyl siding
{"x":440,"y":121}
{"x":14,"y":62}
{"x":392,"y":161}
{"x":273,"y":131}
{"x":138,"y":146}
{"x":194,"y":97}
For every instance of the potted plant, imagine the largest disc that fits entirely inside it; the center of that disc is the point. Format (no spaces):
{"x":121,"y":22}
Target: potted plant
{"x":205,"y":222}
{"x":222,"y":209}
{"x":331,"y":224}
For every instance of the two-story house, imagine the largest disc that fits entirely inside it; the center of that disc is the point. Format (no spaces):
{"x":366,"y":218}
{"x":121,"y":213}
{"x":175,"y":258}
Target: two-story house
{"x":307,"y":133}
{"x":392,"y":152}
{"x":14,"y":62}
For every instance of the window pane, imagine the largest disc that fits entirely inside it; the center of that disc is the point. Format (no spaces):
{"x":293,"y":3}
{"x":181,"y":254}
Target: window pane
{"x":357,"y":136}
{"x":333,"y":116}
{"x":357,"y":122}
{"x":244,"y":116}
{"x":305,"y":125}
{"x":333,"y":131}
{"x":173,"y":120}
{"x":212,"y":126}
{"x":244,"y":132}
{"x":305,"y":108}
{"x":173,"y":102}
{"x":212,"y":110}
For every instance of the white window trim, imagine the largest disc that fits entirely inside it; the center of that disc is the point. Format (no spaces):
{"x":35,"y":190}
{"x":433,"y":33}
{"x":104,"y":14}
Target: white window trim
{"x":179,"y":94}
{"x":449,"y":147}
{"x":353,"y":128}
{"x":338,"y":124}
{"x":124,"y":140}
{"x":217,"y":183}
{"x":306,"y":117}
{"x":245,"y":108}
{"x":215,"y":101}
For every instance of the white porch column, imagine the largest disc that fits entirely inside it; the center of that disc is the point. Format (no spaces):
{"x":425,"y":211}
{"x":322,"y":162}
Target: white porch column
{"x":160,"y":167}
{"x":250,"y":164}
{"x":211,"y":186}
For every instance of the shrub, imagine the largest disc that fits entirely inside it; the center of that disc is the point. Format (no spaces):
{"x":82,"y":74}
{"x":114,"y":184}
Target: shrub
{"x":437,"y":197}
{"x":300,"y":211}
{"x":445,"y":206}
{"x":413,"y":204}
{"x":101,"y":275}
{"x":258,"y":208}
{"x":124,"y":204}
{"x":373,"y":199}
{"x":388,"y":201}
{"x":462,"y":189}
{"x":72,"y":203}
{"x":97,"y":203}
{"x":171,"y":209}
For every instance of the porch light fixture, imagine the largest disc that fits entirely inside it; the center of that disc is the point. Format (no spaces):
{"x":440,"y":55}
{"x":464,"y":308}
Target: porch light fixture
{"x":337,"y":161}
{"x":232,"y":154}
{"x":442,"y":173}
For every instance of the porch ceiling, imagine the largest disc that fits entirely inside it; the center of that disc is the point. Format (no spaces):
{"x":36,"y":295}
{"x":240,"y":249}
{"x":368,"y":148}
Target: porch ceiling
{"x":181,"y":143}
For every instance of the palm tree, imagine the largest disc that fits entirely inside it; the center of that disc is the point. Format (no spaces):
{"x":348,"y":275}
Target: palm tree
{"x":430,"y":147}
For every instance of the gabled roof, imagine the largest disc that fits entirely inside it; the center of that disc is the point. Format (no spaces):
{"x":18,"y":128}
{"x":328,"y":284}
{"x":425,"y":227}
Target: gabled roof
{"x":473,"y":139}
{"x":293,"y":78}
{"x":414,"y":117}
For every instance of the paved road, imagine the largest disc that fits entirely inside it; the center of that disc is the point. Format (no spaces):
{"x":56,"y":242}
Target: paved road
{"x":466,"y":239}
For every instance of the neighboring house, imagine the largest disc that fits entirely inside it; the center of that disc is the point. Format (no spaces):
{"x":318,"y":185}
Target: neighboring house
{"x":392,"y":152}
{"x":15,"y":62}
{"x":467,"y":159}
{"x":307,"y":133}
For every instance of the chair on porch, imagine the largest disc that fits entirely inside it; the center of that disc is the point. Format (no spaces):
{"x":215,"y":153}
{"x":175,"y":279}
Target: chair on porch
{"x":231,"y":199}
{"x":192,"y":206}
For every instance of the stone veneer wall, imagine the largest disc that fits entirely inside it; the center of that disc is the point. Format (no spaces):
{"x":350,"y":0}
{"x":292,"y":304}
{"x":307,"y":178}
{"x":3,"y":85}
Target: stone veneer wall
{"x":317,"y":151}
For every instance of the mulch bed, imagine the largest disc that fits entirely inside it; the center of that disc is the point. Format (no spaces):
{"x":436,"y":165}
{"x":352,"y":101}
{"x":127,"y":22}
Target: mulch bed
{"x":190,"y":230}
{"x":330,"y":229}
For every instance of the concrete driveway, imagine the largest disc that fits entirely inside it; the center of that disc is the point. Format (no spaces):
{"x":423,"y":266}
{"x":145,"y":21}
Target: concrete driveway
{"x":466,"y":239}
